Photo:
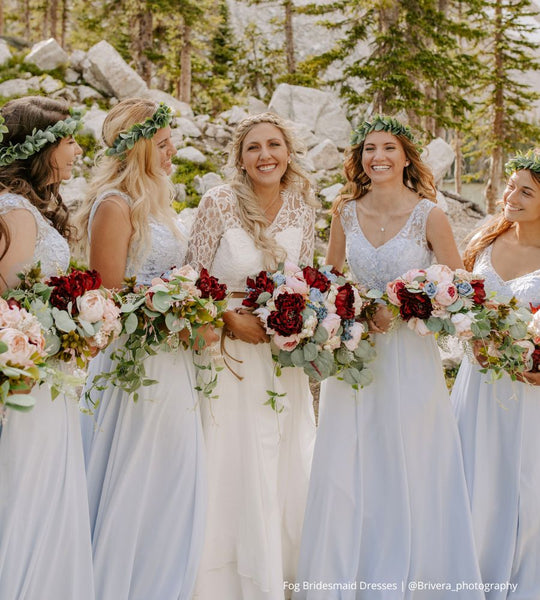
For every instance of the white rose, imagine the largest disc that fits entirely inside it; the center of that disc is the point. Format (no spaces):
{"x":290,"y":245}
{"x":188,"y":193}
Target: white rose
{"x":19,"y":350}
{"x":462,"y":322}
{"x":92,"y":306}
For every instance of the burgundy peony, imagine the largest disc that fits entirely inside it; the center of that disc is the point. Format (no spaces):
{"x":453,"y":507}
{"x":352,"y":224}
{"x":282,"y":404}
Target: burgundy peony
{"x":68,"y":287}
{"x":479,"y":291}
{"x":315,"y":279}
{"x":414,"y":304}
{"x":262,"y":283}
{"x":210,"y":286}
{"x":287,"y":318}
{"x":536,"y":359}
{"x":345,"y":301}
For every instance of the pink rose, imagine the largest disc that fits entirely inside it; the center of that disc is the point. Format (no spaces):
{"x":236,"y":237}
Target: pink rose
{"x":331,"y":323}
{"x":418,"y":326}
{"x":392,"y":289}
{"x":91,"y":306}
{"x":412,"y":274}
{"x":446,"y":294}
{"x":299,"y":286}
{"x":291,"y":268}
{"x":288,"y":343}
{"x":440,"y":274}
{"x":9,"y":316}
{"x":534,"y":325}
{"x":356,"y":332}
{"x":19,"y":350}
{"x":186,"y":271}
{"x":462,"y":322}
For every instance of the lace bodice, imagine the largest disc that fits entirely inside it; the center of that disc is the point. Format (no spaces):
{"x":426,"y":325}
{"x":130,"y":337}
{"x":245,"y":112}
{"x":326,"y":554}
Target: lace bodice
{"x":408,"y":249}
{"x":525,"y":288}
{"x":165,"y":250}
{"x":219,"y":242}
{"x":51,"y":248}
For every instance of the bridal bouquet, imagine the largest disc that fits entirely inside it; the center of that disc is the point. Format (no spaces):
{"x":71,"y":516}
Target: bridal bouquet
{"x":165,"y":315}
{"x":313,"y":318}
{"x":78,"y":315}
{"x":22,"y":356}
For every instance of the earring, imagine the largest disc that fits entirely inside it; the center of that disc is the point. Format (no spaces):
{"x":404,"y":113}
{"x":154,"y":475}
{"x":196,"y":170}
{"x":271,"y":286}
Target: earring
{"x":407,"y":163}
{"x":289,"y":160}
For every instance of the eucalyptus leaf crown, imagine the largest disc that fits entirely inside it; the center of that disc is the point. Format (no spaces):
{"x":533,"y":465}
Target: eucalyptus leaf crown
{"x":148,"y":129}
{"x":529,"y":161}
{"x":39,"y":139}
{"x":382,"y":123}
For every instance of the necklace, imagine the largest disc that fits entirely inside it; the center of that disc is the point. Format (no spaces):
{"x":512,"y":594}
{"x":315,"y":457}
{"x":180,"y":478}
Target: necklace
{"x":265,"y":211}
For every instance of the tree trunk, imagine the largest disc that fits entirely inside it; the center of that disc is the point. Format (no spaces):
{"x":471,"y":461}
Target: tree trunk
{"x":458,"y":165}
{"x":185,"y":65}
{"x":65,"y":18}
{"x":388,"y":15}
{"x":289,"y":36}
{"x":1,"y":17}
{"x":495,"y":184}
{"x":26,"y":12}
{"x":142,"y":43}
{"x":53,"y":18}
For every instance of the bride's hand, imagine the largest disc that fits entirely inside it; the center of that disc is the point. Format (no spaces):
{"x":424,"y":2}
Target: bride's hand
{"x":206,"y":336}
{"x":477,"y":345}
{"x":245,"y":326}
{"x":381,"y":320}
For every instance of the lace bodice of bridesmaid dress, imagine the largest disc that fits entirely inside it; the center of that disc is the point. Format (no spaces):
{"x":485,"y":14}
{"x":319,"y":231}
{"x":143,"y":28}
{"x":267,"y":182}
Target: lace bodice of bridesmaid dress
{"x":525,"y":288}
{"x":408,"y":249}
{"x":220,"y":243}
{"x":165,"y":250}
{"x":51,"y":248}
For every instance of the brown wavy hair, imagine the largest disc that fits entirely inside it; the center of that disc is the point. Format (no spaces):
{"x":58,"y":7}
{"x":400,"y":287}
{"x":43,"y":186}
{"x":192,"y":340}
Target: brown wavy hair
{"x":30,"y":177}
{"x":488,"y":233}
{"x":417,"y":176}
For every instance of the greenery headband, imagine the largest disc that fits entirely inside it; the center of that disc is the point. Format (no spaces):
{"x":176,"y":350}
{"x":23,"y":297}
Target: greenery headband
{"x":39,"y":139}
{"x":382,"y":123}
{"x":529,"y":162}
{"x":126,"y":140}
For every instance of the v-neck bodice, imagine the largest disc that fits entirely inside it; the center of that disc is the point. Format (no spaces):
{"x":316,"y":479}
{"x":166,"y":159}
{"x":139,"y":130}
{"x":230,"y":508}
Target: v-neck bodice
{"x":408,"y":249}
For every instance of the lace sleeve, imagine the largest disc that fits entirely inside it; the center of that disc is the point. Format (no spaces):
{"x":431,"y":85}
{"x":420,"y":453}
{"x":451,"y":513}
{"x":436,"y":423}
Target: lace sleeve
{"x":207,"y":228}
{"x":308,"y":235}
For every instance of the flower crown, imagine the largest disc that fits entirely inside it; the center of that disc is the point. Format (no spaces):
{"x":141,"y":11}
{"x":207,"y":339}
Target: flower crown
{"x":381,"y":123}
{"x":126,"y":140}
{"x":529,"y":161}
{"x":40,"y":137}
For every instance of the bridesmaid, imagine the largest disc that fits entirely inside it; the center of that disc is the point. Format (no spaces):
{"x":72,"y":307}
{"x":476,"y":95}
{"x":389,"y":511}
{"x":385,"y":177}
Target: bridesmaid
{"x":45,"y":549}
{"x":145,"y":460}
{"x":499,"y":421}
{"x":387,"y":503}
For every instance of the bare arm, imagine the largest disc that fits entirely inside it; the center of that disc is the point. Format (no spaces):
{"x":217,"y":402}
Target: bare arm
{"x":441,"y":239}
{"x":335,"y":254}
{"x":23,"y":236}
{"x":111,"y":232}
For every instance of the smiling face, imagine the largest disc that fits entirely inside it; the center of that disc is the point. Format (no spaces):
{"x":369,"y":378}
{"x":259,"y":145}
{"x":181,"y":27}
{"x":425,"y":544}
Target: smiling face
{"x":383,"y":157}
{"x":521,"y":198}
{"x":163,"y":143}
{"x":264,"y":155}
{"x":62,"y":159}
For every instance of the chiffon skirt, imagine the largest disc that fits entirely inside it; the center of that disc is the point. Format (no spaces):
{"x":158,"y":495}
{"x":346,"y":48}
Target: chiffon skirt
{"x":388,"y":512}
{"x":499,"y":426}
{"x":45,"y":550}
{"x":147,"y":484}
{"x":258,"y":471}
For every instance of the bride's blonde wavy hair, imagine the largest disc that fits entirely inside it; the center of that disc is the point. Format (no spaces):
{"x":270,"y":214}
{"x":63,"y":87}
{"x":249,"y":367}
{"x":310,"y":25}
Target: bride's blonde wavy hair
{"x":294,"y":179}
{"x":138,"y":174}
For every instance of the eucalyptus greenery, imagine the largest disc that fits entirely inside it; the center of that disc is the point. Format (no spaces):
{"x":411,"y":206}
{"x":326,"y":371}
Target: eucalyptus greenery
{"x":39,"y":139}
{"x":381,"y":123}
{"x":148,"y":129}
{"x":529,"y":162}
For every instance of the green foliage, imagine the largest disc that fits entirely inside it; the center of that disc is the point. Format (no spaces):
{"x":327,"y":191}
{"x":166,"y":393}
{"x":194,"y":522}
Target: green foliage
{"x":88,"y":143}
{"x":185,"y":173}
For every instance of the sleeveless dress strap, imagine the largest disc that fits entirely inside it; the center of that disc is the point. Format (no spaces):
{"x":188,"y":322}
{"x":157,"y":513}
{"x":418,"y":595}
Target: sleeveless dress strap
{"x":103,"y":196}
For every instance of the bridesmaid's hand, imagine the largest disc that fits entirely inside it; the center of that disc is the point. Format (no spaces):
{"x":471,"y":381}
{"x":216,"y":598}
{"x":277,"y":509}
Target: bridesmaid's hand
{"x":530,"y":378}
{"x":245,"y":326}
{"x":206,"y":336}
{"x":381,"y":320}
{"x":477,"y":345}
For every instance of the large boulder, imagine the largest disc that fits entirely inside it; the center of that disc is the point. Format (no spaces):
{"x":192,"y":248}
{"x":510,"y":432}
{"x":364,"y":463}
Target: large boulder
{"x":325,"y":156}
{"x":50,"y":85}
{"x":191,"y":154}
{"x":439,"y":156}
{"x":73,"y":191}
{"x":47,"y":55}
{"x":108,"y":72}
{"x":93,"y":121}
{"x":188,"y":127}
{"x":19,"y":87}
{"x":320,"y":111}
{"x":206,"y":182}
{"x":179,"y":107}
{"x":5,"y":53}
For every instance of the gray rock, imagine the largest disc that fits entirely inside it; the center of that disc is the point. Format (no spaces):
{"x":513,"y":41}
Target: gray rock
{"x":74,"y":190}
{"x":19,"y":87}
{"x":47,"y":55}
{"x":192,"y":155}
{"x":5,"y":53}
{"x":76,"y":60}
{"x":305,"y":135}
{"x":187,"y":218}
{"x":66,"y":93}
{"x":256,"y":106}
{"x":325,"y":155}
{"x":206,"y":182}
{"x":50,"y":85}
{"x":71,"y":76}
{"x":320,"y":111}
{"x":236,"y":114}
{"x":179,"y":192}
{"x":188,"y":127}
{"x":110,"y":74}
{"x":93,"y":121}
{"x":332,"y":192}
{"x":201,"y":121}
{"x":439,"y":156}
{"x":85,"y":92}
{"x":181,"y":108}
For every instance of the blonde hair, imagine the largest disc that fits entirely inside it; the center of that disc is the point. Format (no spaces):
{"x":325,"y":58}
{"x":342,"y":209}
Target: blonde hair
{"x":138,"y":174}
{"x":488,"y":233}
{"x":294,"y":179}
{"x":417,"y":176}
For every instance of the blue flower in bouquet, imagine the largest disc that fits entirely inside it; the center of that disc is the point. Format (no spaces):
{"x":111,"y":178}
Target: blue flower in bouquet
{"x":430,"y":289}
{"x":347,"y":325}
{"x":279,"y":279}
{"x":316,"y":296}
{"x":465,"y":289}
